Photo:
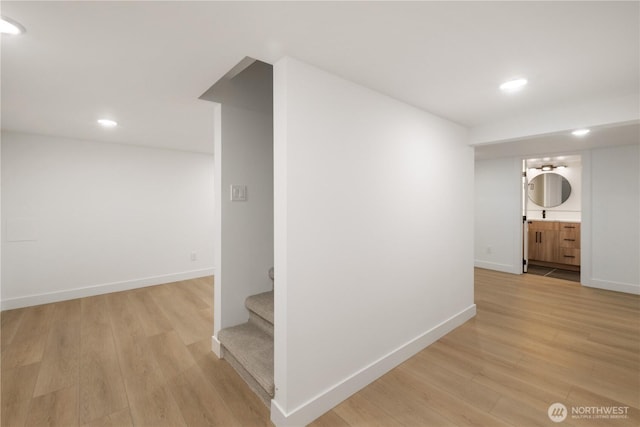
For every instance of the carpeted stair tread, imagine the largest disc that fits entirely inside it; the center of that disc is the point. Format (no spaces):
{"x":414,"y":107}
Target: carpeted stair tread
{"x":253,"y":349}
{"x":262,"y":305}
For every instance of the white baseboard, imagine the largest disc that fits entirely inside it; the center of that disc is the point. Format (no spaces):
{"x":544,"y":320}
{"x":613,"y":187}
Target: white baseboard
{"x":105,"y":288}
{"x":216,"y":346}
{"x":627,"y":288}
{"x":324,"y":402}
{"x":505,"y":268}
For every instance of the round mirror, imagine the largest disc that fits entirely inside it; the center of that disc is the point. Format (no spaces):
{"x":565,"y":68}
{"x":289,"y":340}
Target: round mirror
{"x":549,"y":190}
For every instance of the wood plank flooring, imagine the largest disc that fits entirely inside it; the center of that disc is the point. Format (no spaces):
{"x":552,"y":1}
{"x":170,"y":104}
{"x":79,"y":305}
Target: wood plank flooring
{"x":535,"y":341}
{"x":143,"y":358}
{"x":139,"y":357}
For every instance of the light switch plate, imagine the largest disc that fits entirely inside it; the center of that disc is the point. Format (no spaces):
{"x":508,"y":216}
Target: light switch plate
{"x":238,"y":193}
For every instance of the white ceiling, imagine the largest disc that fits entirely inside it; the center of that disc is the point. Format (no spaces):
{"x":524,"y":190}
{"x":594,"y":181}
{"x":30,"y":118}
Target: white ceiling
{"x":562,"y":143}
{"x":145,"y":64}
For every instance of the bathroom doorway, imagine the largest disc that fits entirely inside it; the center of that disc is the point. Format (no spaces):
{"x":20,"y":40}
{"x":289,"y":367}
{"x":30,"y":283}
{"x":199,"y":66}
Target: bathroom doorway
{"x":552,"y":216}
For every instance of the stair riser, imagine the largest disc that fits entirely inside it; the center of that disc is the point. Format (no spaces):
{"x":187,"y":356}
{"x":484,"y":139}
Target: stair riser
{"x":261,"y":323}
{"x":246,"y":376}
{"x":262,"y":305}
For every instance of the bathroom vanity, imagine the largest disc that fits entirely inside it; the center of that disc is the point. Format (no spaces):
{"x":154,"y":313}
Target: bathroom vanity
{"x":554,"y":244}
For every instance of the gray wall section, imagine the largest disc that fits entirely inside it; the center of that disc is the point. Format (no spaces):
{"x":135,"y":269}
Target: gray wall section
{"x":244,"y":156}
{"x":247,"y":226}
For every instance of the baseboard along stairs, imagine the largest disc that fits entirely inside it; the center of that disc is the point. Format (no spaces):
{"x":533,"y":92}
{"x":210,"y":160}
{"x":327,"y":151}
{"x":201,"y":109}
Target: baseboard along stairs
{"x":249,"y":347}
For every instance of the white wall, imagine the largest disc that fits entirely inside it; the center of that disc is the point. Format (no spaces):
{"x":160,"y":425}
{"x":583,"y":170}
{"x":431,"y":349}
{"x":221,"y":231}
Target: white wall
{"x":615,"y":219}
{"x":610,"y":232}
{"x":498,"y":214}
{"x":570,"y":210}
{"x":82,"y":218}
{"x":373,"y":236}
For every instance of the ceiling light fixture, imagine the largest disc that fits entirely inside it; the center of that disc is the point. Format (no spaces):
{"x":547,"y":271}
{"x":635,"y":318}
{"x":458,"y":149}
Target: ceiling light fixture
{"x":580,"y":132}
{"x":513,"y":85}
{"x":10,"y":27}
{"x":107,"y":123}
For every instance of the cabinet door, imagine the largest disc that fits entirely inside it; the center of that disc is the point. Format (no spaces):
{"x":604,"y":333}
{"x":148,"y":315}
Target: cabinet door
{"x":543,"y":245}
{"x":534,"y":246}
{"x":548,"y":245}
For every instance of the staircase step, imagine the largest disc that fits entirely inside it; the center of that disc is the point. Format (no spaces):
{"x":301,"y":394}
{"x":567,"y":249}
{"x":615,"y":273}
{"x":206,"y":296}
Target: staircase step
{"x":264,"y":325}
{"x":262,"y":305}
{"x":251,"y":351}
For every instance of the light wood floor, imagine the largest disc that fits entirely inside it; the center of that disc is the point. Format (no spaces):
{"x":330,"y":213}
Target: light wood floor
{"x":139,"y":358}
{"x":142,"y":357}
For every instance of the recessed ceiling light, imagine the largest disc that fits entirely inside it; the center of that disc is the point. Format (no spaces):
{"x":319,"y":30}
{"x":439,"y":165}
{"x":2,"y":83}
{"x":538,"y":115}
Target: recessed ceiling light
{"x":580,"y":132}
{"x":513,"y":85}
{"x":11,"y":27}
{"x":107,"y":123}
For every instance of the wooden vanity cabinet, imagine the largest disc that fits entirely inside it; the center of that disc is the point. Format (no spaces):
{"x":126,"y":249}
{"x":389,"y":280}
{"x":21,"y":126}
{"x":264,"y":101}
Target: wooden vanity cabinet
{"x":543,"y":243}
{"x":569,"y":241}
{"x":554,"y":244}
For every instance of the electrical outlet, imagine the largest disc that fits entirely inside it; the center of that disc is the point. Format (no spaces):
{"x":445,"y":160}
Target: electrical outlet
{"x":489,"y":249}
{"x":194,"y":256}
